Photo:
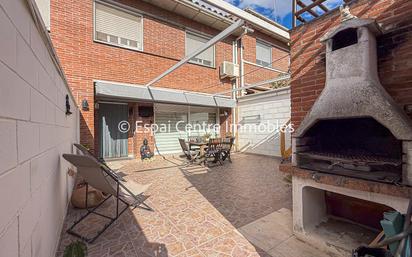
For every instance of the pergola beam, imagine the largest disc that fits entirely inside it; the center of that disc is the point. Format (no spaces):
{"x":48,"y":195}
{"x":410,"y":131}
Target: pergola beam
{"x":312,"y":12}
{"x":309,"y":7}
{"x":296,"y":14}
{"x":323,"y":7}
{"x":300,"y":19}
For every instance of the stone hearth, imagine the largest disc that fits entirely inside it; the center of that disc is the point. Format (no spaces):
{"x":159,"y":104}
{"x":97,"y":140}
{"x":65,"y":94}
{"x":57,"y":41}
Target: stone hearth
{"x":309,"y":206}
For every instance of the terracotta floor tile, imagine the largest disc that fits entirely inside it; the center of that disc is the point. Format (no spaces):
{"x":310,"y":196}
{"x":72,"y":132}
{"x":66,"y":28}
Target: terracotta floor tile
{"x":197,"y":210}
{"x":230,"y":244}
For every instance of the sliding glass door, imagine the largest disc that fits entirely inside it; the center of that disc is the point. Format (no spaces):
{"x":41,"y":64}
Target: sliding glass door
{"x":167,"y":116}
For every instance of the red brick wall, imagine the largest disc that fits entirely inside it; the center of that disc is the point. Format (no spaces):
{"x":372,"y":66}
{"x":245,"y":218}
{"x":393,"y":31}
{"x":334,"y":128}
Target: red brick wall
{"x":254,"y":74}
{"x":84,"y":60}
{"x":225,"y":122}
{"x":280,"y":58}
{"x":394,"y":53}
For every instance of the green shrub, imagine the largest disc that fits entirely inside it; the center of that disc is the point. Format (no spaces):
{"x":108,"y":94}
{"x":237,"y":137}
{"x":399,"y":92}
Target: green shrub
{"x":75,"y":249}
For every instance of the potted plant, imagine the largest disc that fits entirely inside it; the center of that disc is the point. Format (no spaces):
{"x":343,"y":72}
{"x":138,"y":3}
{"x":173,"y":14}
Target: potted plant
{"x":206,"y":136}
{"x":75,"y":249}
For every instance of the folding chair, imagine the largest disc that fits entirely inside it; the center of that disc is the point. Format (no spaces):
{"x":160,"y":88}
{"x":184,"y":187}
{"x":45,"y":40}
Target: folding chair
{"x":84,"y":151}
{"x":129,"y":192}
{"x":191,"y":156}
{"x":214,"y":150}
{"x":227,"y":148}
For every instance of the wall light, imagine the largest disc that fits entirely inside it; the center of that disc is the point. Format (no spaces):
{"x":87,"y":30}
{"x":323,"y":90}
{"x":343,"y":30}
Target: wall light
{"x":85,"y":105}
{"x":68,"y":112}
{"x":224,"y":114}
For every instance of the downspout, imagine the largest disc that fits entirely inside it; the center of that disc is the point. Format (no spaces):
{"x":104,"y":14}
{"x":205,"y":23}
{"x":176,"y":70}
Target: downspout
{"x":238,"y":43}
{"x":242,"y":68}
{"x":234,"y":86}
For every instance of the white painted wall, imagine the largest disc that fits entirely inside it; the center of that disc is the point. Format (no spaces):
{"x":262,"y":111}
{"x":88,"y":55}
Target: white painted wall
{"x":273,"y":107}
{"x":34,"y":132}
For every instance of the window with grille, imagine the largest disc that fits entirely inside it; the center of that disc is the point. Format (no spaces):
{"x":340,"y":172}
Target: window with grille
{"x":117,"y":27}
{"x":194,"y":42}
{"x":263,"y":54}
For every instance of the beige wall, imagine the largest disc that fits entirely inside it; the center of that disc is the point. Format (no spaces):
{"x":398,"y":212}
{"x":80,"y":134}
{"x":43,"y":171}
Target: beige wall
{"x":34,"y":132}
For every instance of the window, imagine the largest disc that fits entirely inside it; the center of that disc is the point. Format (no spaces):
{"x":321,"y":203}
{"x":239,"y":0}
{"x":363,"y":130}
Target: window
{"x":263,"y":54}
{"x":193,"y":42}
{"x":116,"y":27}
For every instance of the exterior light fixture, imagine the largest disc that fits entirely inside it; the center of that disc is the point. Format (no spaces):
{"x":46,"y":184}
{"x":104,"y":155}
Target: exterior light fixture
{"x":85,"y":105}
{"x":68,"y":112}
{"x":224,"y":114}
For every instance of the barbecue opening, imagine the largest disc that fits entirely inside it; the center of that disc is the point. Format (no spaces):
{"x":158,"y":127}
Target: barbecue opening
{"x":345,"y":38}
{"x":356,"y":147}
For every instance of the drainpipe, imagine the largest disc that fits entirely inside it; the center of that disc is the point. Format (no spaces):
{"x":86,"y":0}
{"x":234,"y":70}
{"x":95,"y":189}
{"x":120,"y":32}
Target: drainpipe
{"x":242,"y":68}
{"x":241,"y":73}
{"x":235,"y":113}
{"x":234,"y":86}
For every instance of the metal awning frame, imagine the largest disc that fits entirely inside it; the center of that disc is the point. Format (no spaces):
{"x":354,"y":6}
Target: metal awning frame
{"x":108,"y":90}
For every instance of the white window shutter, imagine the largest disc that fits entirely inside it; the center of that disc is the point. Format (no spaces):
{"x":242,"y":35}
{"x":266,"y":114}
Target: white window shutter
{"x":263,"y":54}
{"x":194,"y":42}
{"x":119,"y":24}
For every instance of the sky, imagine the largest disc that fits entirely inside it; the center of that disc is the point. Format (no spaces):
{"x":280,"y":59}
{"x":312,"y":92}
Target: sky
{"x":279,"y":10}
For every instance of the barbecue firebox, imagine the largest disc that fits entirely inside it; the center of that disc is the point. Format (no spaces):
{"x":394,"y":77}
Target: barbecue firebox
{"x":355,"y":128}
{"x":357,"y":147}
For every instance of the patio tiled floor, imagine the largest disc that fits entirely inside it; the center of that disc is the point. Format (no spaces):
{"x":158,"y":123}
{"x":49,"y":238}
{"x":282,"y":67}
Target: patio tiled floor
{"x":198,"y":211}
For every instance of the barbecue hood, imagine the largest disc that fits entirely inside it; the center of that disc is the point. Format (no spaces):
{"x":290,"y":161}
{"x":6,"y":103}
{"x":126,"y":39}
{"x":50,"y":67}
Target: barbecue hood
{"x":352,"y":88}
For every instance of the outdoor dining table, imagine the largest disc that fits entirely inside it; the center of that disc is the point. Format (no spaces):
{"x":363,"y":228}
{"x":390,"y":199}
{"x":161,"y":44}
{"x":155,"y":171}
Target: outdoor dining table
{"x":202,"y":146}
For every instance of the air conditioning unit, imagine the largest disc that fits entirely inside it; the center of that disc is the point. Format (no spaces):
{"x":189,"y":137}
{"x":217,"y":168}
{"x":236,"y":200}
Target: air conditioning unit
{"x":229,"y":69}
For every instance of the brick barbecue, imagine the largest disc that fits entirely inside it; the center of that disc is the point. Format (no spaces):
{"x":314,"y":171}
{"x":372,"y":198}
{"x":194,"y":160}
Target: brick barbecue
{"x":351,"y":100}
{"x":354,"y":128}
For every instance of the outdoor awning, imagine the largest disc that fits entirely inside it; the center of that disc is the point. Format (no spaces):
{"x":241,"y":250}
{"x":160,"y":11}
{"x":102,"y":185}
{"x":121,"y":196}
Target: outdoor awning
{"x":110,"y":90}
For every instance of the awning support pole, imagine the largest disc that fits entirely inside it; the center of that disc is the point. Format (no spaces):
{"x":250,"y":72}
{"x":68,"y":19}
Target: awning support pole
{"x":225,"y":33}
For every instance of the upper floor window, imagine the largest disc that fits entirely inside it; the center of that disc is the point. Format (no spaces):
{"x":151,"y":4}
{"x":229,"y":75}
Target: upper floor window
{"x":117,"y":27}
{"x":263,"y":54}
{"x":193,"y":42}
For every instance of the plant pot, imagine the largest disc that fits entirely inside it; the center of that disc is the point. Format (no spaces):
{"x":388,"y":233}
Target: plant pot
{"x":78,"y":199}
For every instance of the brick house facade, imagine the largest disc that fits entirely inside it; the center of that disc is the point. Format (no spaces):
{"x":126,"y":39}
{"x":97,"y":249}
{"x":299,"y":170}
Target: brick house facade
{"x":394,"y":53}
{"x":84,"y":60}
